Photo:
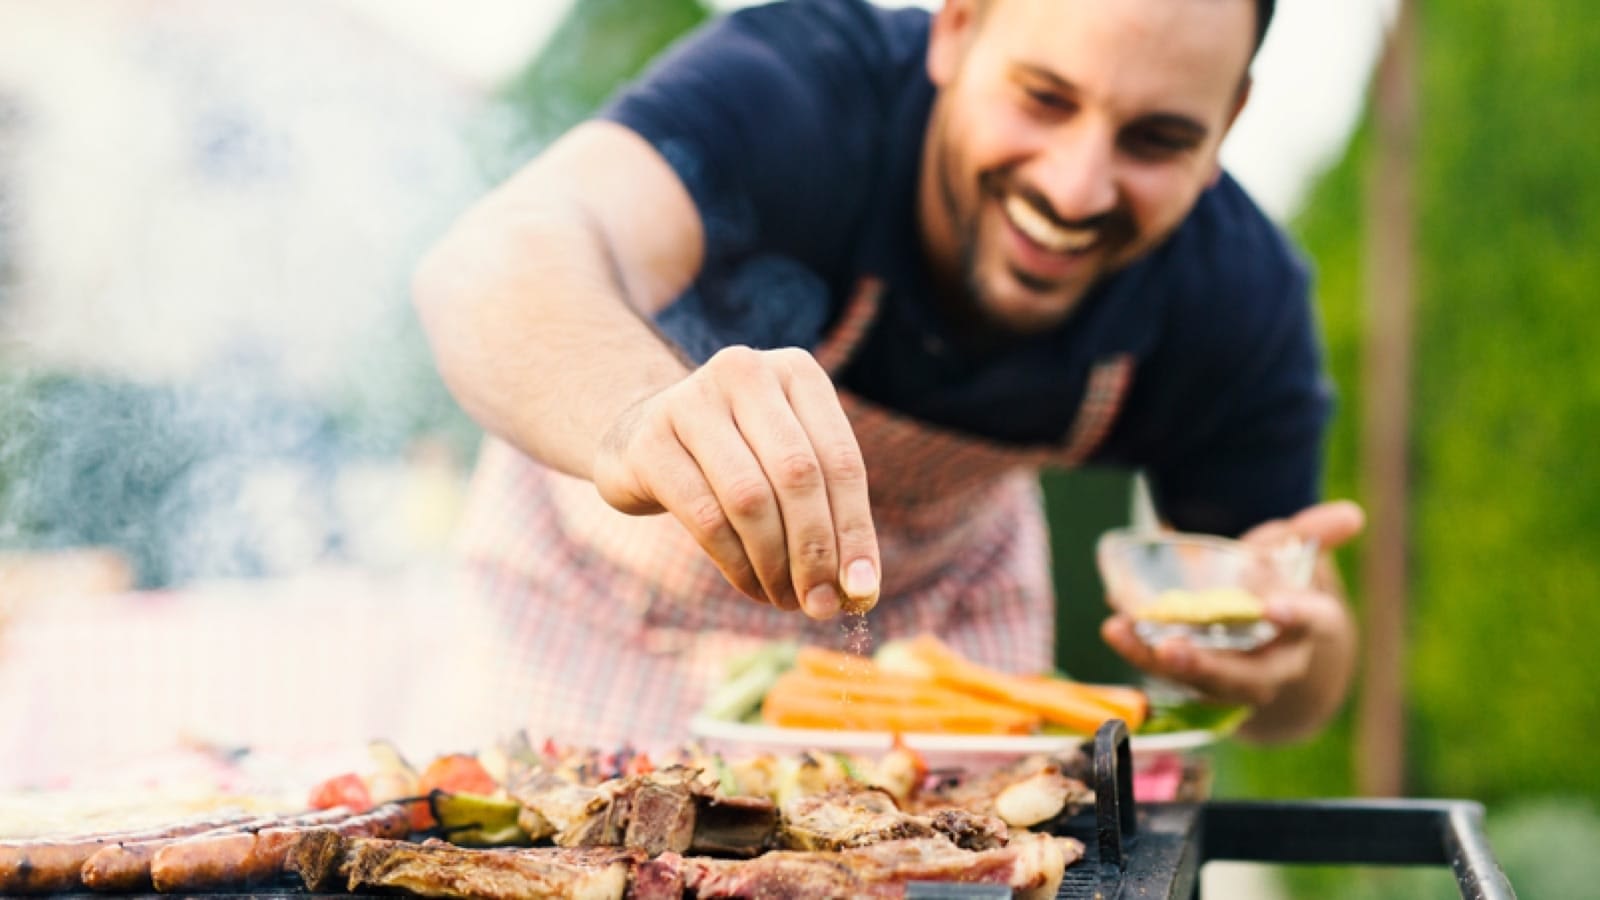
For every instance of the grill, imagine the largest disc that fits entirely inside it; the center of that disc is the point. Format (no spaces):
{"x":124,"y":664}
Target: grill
{"x":1156,"y":851}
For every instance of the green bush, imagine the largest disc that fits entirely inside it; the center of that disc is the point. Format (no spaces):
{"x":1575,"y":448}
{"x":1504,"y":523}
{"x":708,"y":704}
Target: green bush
{"x":1501,"y":684}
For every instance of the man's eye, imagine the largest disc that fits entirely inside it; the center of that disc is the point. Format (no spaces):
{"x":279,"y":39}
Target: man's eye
{"x":1156,"y":144}
{"x":1048,"y":101}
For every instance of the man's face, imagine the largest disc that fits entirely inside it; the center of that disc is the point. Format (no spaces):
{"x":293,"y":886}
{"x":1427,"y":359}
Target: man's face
{"x":1069,"y":138}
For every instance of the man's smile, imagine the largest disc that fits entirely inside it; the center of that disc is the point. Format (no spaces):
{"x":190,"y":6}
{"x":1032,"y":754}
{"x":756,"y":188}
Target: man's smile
{"x":1038,"y":228}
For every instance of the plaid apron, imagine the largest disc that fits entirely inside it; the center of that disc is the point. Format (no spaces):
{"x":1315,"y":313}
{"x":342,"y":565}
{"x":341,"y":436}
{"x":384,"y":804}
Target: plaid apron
{"x":614,"y":627}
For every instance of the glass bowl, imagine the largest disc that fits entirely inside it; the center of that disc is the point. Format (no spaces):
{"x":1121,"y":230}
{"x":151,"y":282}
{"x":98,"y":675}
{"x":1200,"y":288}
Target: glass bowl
{"x":1209,"y":589}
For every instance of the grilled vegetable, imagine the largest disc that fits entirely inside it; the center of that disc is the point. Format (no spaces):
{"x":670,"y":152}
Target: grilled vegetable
{"x":347,"y":790}
{"x":455,"y":773}
{"x":474,"y":820}
{"x":1080,"y":707}
{"x":749,"y":678}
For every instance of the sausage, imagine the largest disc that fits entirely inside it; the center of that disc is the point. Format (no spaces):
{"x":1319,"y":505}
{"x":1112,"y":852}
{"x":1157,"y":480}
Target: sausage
{"x":125,"y":866}
{"x":251,"y":858}
{"x":51,"y":865}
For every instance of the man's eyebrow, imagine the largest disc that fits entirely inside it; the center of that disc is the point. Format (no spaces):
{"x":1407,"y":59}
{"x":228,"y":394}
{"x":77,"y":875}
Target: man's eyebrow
{"x":1191,"y":128}
{"x":1174,"y":122}
{"x":1040,"y":72}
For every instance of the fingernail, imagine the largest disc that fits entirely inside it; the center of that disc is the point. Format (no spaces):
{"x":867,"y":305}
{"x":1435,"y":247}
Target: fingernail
{"x":861,"y":579}
{"x":822,"y":602}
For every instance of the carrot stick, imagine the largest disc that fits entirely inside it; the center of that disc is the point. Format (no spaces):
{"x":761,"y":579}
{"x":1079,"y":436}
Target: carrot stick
{"x":1062,"y":702}
{"x":1130,"y":703}
{"x":889,"y":688}
{"x":833,"y":664}
{"x":795,"y":709}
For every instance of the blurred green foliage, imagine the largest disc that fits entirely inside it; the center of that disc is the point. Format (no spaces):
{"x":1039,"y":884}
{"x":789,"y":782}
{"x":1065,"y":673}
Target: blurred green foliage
{"x":600,"y":45}
{"x":1502,"y":681}
{"x":1505,"y":686}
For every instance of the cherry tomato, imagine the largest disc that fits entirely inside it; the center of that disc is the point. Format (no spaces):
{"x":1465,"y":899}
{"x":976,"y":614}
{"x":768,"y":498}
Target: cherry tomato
{"x":639,"y":765}
{"x":455,"y":773}
{"x":342,"y":790}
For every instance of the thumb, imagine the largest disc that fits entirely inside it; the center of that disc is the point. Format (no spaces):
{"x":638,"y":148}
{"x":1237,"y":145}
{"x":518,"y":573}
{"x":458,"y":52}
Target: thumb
{"x":1331,"y":524}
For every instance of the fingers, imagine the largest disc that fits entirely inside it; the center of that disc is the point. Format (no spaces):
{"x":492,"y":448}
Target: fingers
{"x":676,"y":482}
{"x":1331,"y":524}
{"x":1303,"y":613}
{"x":748,"y":453}
{"x":844,"y":474}
{"x":799,"y":548}
{"x":755,"y":456}
{"x":1254,"y":677}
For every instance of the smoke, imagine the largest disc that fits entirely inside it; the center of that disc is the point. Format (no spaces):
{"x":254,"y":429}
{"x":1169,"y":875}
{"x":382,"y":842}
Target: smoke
{"x":208,"y":218}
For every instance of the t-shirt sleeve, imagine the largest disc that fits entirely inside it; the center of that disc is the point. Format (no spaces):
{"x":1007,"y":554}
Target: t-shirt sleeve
{"x":768,"y":117}
{"x":1258,"y":451}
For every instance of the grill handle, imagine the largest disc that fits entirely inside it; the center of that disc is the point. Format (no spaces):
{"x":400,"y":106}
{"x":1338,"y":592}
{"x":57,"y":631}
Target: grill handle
{"x":1388,"y":832}
{"x":1115,"y":822}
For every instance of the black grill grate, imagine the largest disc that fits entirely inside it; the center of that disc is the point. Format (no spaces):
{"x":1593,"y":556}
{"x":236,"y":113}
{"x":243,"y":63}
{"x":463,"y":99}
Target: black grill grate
{"x":1157,"y":851}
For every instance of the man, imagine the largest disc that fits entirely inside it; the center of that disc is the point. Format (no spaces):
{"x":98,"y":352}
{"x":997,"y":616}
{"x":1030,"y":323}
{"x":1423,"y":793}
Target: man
{"x":827,"y":288}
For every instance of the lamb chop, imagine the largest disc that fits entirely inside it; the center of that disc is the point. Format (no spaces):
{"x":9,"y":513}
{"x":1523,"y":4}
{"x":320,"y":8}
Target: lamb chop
{"x":858,"y":816}
{"x":438,"y":869}
{"x":1027,"y":792}
{"x":671,"y":809}
{"x":1032,"y":865}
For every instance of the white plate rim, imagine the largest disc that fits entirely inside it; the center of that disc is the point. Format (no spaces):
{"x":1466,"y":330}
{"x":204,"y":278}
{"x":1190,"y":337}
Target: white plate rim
{"x":977,"y":744}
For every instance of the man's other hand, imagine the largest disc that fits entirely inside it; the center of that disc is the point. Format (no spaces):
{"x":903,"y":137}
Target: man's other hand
{"x":1306,"y":666}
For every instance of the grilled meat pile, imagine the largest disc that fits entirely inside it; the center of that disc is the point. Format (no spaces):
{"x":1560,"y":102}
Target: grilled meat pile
{"x":697,"y":826}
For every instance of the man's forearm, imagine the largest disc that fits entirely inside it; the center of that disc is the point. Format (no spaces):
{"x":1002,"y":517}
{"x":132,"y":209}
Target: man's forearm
{"x":532,"y":334}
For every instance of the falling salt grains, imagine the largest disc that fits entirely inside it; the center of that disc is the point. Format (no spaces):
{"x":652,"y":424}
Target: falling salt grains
{"x":857,"y":635}
{"x":857,"y":641}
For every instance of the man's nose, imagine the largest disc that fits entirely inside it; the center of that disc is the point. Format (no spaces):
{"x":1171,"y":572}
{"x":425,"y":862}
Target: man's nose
{"x":1077,"y":175}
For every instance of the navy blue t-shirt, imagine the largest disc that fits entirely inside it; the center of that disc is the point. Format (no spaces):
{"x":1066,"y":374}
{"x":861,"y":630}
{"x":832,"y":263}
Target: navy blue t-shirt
{"x":798,"y":127}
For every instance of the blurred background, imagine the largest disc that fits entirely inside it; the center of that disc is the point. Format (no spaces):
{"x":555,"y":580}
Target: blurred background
{"x":223,"y":446}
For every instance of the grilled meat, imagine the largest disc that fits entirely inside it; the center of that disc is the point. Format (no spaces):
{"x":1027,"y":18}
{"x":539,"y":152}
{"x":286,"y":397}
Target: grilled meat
{"x":970,"y":831}
{"x":250,"y":858}
{"x":46,"y":865}
{"x":125,"y":865}
{"x":859,"y":816}
{"x":1039,"y":797}
{"x":1036,"y":788}
{"x":671,"y":809}
{"x":1032,"y":866}
{"x":437,"y":869}
{"x":733,"y":826}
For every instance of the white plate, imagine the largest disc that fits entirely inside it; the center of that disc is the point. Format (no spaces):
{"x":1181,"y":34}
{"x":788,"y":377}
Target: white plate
{"x":938,"y":749}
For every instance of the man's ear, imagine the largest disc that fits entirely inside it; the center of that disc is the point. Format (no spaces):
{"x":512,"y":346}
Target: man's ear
{"x":1239,"y":101}
{"x":1241,"y":98}
{"x":954,"y":27}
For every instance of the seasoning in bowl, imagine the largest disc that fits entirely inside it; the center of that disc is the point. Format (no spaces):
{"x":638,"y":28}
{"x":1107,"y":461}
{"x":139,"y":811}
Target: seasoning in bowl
{"x":1207,"y":589}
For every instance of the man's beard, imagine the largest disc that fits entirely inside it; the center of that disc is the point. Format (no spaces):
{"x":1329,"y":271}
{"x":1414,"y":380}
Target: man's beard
{"x":973,"y":306}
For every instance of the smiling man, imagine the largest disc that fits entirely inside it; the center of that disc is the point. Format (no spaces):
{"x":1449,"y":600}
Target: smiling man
{"x":1069,"y":140}
{"x":794,"y":323}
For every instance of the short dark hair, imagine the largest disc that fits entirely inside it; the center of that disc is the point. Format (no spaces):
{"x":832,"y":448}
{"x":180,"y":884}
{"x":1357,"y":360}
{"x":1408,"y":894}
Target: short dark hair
{"x":1264,"y":10}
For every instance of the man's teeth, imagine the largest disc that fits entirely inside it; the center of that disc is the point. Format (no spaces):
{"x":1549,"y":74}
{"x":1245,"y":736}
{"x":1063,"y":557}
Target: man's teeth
{"x":1045,"y":233}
